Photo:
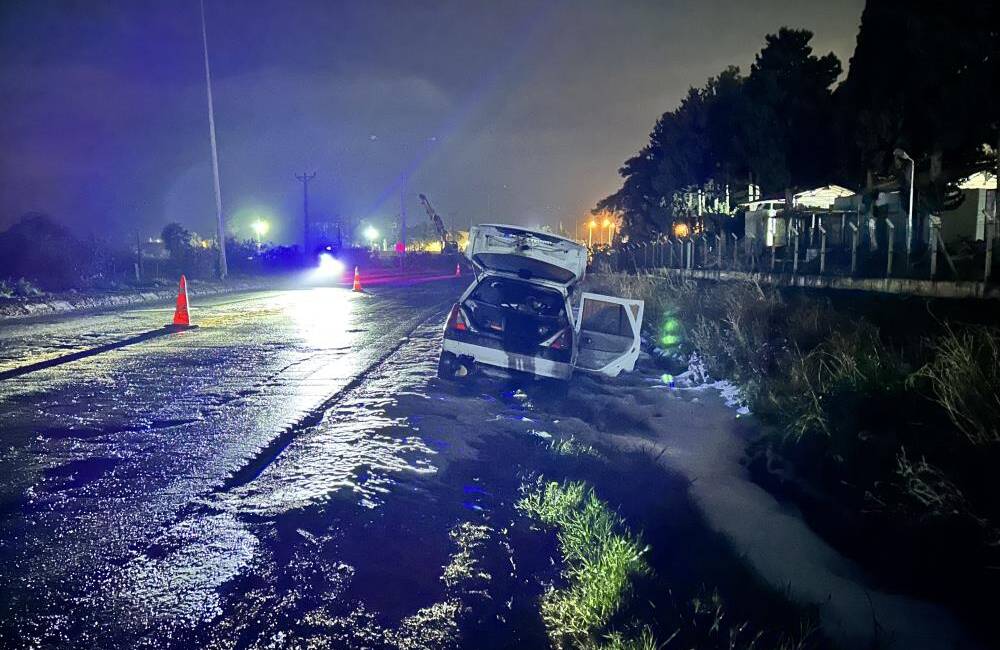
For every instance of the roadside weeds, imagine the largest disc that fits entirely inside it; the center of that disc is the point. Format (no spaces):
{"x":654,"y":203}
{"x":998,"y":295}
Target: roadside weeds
{"x":886,"y":439}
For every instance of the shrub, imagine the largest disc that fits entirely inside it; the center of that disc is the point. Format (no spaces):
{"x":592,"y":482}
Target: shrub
{"x":964,"y":378}
{"x":734,"y":331}
{"x":25,"y":289}
{"x":813,"y":388}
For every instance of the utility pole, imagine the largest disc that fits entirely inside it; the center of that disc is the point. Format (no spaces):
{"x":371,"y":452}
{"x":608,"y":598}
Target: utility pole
{"x":138,"y":257}
{"x":402,"y":219}
{"x":304,"y":179}
{"x":220,"y":223}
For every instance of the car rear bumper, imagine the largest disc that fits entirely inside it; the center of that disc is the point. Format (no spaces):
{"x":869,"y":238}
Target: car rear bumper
{"x":509,"y":360}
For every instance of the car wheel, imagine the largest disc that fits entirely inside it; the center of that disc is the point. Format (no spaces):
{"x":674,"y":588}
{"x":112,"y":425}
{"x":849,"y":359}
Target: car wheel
{"x":448,"y":366}
{"x":454,"y":368}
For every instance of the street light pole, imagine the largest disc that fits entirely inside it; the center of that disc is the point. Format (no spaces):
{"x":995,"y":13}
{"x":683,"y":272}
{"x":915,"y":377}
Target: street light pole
{"x":590,"y":233}
{"x":220,"y":223}
{"x":402,"y":219}
{"x":899,"y":153}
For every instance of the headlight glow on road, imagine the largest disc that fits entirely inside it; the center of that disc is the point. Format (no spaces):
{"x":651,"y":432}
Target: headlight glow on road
{"x":329,"y":266}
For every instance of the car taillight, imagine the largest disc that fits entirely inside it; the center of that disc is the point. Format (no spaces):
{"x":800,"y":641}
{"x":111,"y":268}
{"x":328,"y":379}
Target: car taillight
{"x":457,"y":320}
{"x":560,"y":341}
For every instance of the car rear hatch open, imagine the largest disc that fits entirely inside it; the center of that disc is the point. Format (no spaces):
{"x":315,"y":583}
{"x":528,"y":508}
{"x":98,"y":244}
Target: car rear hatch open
{"x":528,"y":254}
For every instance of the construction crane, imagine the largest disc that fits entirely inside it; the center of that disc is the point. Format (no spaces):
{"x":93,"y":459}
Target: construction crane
{"x":448,"y":243}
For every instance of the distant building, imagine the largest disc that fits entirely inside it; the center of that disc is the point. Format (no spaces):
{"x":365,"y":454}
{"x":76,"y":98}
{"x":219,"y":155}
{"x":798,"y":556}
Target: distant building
{"x":821,"y":198}
{"x":968,"y":221}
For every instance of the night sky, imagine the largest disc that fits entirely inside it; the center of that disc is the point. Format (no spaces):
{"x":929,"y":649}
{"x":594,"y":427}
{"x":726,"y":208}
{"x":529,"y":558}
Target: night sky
{"x":517,"y":112}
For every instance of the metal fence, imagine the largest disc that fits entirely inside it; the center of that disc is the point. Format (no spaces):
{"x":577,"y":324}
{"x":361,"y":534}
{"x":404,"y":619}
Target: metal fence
{"x":815,"y":244}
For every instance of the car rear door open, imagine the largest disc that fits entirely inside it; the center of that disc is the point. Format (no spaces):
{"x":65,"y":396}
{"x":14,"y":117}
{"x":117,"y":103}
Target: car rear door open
{"x":608,"y":333}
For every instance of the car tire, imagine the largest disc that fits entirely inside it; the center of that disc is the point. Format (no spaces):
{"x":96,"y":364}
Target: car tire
{"x":454,"y":368}
{"x":447,"y":366}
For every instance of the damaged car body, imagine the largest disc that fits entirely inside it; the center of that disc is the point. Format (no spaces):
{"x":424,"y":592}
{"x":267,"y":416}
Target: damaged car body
{"x":524,"y":311}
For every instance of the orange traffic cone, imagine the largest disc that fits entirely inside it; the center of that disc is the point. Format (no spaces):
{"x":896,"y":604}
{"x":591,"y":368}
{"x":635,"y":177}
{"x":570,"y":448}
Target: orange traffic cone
{"x":458,"y":270}
{"x":357,"y":281}
{"x":182,"y":320}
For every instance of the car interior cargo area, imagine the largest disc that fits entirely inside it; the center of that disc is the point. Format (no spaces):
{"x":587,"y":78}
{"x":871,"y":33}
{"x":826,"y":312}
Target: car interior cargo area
{"x":522,"y":315}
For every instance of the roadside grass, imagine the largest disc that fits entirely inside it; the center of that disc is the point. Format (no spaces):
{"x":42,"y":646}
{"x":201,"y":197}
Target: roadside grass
{"x":600,"y":555}
{"x":572,"y":446}
{"x":964,"y":380}
{"x":889,"y":438}
{"x":645,"y":640}
{"x":21,"y":288}
{"x":611,"y":596}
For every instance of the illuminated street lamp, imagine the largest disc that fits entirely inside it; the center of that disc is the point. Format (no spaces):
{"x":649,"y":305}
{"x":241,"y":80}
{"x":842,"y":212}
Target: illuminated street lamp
{"x":260,"y":228}
{"x":371,"y":234}
{"x":902,"y":155}
{"x":590,"y":233}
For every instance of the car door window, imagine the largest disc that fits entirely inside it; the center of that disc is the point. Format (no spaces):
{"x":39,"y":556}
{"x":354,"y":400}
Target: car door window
{"x":608,"y":333}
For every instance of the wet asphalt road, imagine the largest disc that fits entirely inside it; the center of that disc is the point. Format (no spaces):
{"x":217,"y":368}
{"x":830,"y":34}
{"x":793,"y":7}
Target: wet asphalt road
{"x":292,"y":474}
{"x":139,"y":484}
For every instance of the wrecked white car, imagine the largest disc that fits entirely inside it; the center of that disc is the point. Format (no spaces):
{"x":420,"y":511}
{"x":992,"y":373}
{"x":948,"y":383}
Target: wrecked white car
{"x":522,"y":312}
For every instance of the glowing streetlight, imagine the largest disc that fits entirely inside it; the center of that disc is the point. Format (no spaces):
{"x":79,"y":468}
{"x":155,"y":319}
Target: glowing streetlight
{"x":590,"y":233}
{"x":260,"y":228}
{"x":371,"y":234}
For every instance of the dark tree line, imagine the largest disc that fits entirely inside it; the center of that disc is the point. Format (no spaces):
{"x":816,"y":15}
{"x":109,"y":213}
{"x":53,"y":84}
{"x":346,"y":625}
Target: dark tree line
{"x":924,"y":77}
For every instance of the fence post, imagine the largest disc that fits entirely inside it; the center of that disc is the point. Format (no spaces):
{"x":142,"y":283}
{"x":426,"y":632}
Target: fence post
{"x":704,"y":250}
{"x":934,"y":248}
{"x":690,"y":253}
{"x":892,"y":239}
{"x":736,"y":251}
{"x":773,"y":248}
{"x":670,"y":252}
{"x":854,"y":248}
{"x":822,"y":249}
{"x":795,"y":254}
{"x":989,"y":230}
{"x":720,"y":243}
{"x":944,"y":251}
